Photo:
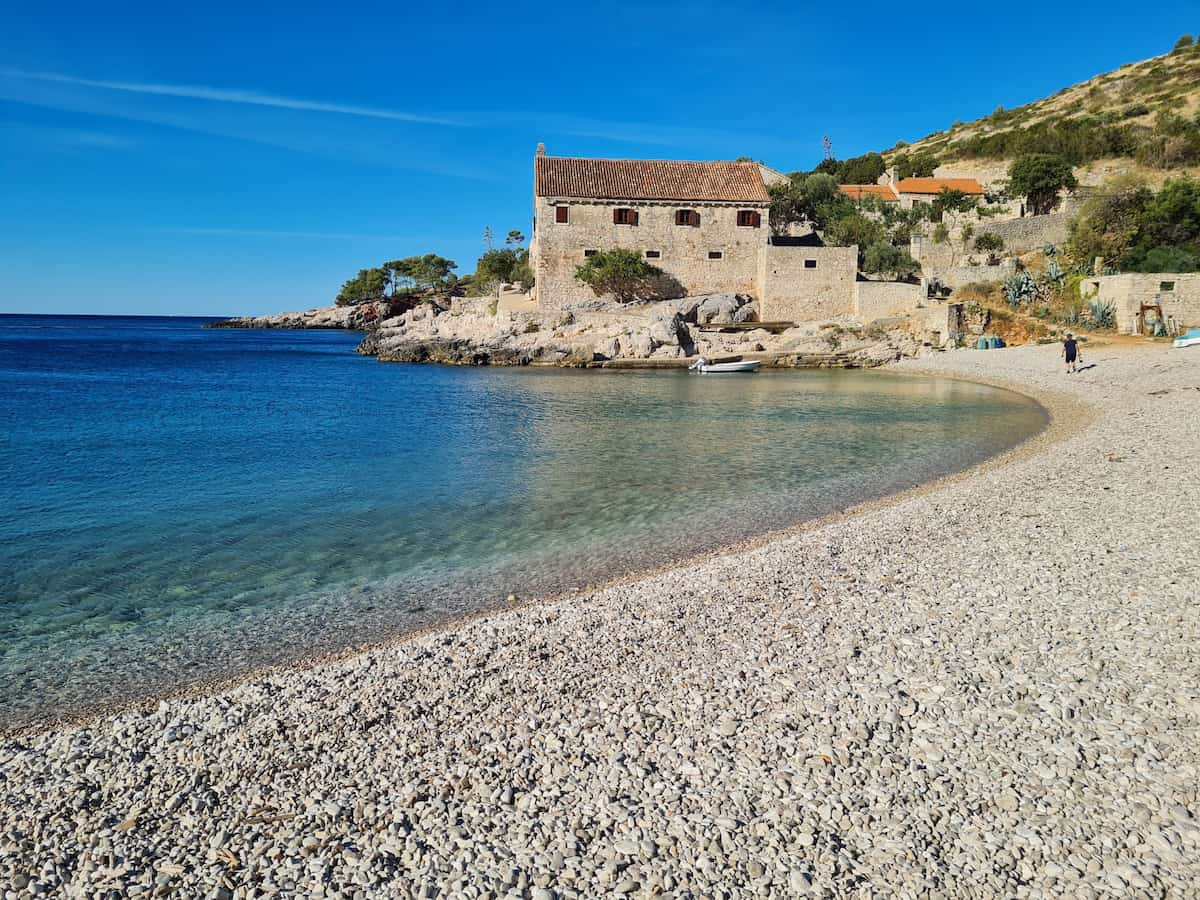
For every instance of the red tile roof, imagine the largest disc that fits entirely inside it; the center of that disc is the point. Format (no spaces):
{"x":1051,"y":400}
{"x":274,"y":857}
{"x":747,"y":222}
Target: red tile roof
{"x":858,"y":191}
{"x":648,"y":179}
{"x":937,"y":185}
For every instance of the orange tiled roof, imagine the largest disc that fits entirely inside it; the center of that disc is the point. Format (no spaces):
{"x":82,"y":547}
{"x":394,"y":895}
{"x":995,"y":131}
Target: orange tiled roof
{"x":937,"y":185}
{"x":648,"y":179}
{"x":858,"y":191}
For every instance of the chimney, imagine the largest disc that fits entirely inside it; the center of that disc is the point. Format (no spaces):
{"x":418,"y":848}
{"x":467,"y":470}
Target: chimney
{"x":541,"y":150}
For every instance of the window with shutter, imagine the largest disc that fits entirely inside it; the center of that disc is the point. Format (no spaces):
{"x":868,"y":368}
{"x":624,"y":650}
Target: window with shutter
{"x":687,"y":217}
{"x":748,"y":218}
{"x":561,"y":215}
{"x":623,"y":216}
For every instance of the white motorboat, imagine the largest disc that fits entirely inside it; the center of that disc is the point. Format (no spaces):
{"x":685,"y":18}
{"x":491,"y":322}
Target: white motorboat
{"x":1191,"y":338}
{"x":706,"y":368}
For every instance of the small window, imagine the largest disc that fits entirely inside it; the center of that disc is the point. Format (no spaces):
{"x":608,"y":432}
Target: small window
{"x":653,"y":254}
{"x":1166,"y":287}
{"x":561,"y":215}
{"x":810,"y":264}
{"x":590,"y":252}
{"x":687,"y":217}
{"x":748,"y":218}
{"x":715,"y":254}
{"x":622,"y":216}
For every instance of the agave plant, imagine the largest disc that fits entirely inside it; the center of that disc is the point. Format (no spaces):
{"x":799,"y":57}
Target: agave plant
{"x":1102,"y":313}
{"x":1050,"y":251}
{"x":1020,"y":288}
{"x":1054,"y":273}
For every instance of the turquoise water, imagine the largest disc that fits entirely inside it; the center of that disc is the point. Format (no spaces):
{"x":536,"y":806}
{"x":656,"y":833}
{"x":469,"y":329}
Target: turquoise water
{"x":177,"y":502}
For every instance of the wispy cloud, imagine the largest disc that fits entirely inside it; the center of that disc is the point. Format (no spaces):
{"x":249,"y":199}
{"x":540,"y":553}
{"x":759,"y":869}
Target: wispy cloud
{"x":226,"y":95}
{"x":271,"y":233}
{"x":51,"y":136}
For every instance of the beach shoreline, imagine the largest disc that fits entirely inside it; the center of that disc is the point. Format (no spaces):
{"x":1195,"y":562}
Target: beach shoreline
{"x":920,"y":693}
{"x":1064,"y":414}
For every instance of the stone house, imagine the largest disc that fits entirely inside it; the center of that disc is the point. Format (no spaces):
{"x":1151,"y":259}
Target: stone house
{"x":1176,"y":294}
{"x":910,"y":192}
{"x":704,"y":224}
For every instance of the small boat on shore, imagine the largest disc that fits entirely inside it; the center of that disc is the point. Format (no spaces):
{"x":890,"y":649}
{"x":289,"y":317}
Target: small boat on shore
{"x":1190,"y":338}
{"x":706,"y":368}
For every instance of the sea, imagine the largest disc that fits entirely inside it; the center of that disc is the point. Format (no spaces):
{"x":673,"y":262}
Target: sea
{"x":179,"y":504}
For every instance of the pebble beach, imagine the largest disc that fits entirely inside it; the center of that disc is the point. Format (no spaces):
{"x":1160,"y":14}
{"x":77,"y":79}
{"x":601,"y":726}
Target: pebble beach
{"x":986,"y":687}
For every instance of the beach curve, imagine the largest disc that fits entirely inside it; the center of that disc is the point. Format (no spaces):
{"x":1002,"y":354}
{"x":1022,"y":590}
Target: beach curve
{"x":967,"y":684}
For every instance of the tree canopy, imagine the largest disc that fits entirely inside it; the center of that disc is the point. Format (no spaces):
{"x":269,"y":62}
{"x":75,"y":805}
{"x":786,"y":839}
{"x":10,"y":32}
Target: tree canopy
{"x":366,"y":286}
{"x":1040,"y":177}
{"x":882,"y":258}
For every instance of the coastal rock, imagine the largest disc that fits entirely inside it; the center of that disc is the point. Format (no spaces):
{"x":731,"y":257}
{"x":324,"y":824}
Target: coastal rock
{"x":349,"y":318}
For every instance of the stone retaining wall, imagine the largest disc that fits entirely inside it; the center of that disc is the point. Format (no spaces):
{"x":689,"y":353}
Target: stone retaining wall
{"x":883,"y":299}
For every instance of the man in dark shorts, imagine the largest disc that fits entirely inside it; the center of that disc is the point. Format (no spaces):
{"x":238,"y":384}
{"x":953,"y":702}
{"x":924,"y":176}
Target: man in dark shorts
{"x":1071,"y":352}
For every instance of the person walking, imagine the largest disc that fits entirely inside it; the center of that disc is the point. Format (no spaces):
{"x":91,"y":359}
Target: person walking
{"x":1071,"y":353}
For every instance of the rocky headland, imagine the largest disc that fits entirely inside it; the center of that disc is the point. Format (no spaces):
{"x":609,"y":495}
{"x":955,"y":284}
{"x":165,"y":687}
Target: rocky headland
{"x":349,"y":318}
{"x":472,"y":331}
{"x":987,"y":687}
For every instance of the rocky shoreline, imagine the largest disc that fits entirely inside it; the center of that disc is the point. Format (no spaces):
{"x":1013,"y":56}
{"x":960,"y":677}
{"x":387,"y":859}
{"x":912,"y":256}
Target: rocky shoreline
{"x":667,"y":333}
{"x":985,"y":688}
{"x":346,"y":318}
{"x":478,"y":331}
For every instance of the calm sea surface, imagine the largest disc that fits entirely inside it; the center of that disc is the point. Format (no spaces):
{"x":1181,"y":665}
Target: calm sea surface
{"x":177,"y":502}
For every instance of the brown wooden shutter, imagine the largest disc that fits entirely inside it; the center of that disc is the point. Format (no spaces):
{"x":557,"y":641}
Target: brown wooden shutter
{"x":616,"y":216}
{"x":755,"y":219}
{"x":560,"y":214}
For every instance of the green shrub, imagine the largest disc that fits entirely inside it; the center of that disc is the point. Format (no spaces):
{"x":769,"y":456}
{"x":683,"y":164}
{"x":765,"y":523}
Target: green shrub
{"x":620,"y":272}
{"x":989,"y":242}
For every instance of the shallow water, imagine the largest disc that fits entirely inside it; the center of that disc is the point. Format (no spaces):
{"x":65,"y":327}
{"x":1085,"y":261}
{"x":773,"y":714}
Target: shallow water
{"x":177,"y":503}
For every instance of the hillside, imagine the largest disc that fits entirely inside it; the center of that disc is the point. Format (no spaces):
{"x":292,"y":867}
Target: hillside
{"x":1143,"y":117}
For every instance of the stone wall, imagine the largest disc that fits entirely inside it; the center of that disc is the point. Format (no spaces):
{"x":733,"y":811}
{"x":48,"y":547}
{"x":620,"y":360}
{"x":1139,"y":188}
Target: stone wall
{"x":1178,"y":294}
{"x":798,"y":284}
{"x":1020,"y":236}
{"x":558,"y":247}
{"x":957,"y":276}
{"x":1032,"y":232}
{"x":884,"y":299}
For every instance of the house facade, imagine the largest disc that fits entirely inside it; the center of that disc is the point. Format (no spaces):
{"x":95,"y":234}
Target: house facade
{"x":910,"y":192}
{"x":704,"y":224}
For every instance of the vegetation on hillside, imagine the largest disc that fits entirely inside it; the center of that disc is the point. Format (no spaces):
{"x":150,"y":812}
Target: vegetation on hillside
{"x":399,"y":278}
{"x":1147,"y":111}
{"x":414,"y":277}
{"x":1134,"y":229}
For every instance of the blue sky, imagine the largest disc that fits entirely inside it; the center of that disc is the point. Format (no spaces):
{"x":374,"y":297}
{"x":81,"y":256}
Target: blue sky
{"x":218,"y":158}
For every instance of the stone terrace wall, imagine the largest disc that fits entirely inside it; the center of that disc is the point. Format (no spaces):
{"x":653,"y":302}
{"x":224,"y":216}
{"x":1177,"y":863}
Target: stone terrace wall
{"x":884,"y":299}
{"x":957,"y":276}
{"x":1030,"y":233}
{"x":800,"y":284}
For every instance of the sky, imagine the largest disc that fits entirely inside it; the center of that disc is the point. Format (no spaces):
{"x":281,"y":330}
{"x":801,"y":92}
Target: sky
{"x":242,"y":159}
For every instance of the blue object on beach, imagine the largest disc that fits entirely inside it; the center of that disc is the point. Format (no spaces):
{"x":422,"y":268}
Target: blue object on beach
{"x":982,"y":344}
